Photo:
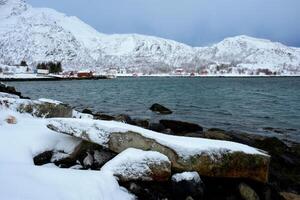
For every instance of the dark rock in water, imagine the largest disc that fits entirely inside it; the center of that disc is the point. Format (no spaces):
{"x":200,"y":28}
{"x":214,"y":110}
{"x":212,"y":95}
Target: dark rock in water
{"x":179,"y":127}
{"x":43,"y":158}
{"x":160,"y":109}
{"x":102,"y":116}
{"x":217,"y":134}
{"x":10,"y":90}
{"x":142,"y":123}
{"x":247,"y":192}
{"x":157,"y":127}
{"x":187,"y":185}
{"x":124,"y":118}
{"x":87,"y":111}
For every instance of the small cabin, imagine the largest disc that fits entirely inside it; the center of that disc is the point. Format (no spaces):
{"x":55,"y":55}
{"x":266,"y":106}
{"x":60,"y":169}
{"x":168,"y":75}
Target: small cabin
{"x":43,"y":71}
{"x":85,"y":74}
{"x":179,"y":71}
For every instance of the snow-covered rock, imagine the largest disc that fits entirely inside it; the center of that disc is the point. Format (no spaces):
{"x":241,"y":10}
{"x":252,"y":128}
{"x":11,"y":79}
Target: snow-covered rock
{"x":208,"y":157}
{"x":6,"y":95}
{"x":42,"y":34}
{"x":138,"y":165}
{"x":187,"y":176}
{"x":39,"y":108}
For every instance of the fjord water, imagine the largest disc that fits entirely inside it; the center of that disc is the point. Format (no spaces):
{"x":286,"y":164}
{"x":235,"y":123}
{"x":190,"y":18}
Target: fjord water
{"x":240,"y":104}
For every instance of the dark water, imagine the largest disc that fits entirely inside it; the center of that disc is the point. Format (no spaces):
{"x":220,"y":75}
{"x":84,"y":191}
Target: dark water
{"x":242,"y":104}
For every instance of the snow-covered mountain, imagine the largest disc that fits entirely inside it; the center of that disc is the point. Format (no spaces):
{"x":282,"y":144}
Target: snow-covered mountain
{"x":42,"y":34}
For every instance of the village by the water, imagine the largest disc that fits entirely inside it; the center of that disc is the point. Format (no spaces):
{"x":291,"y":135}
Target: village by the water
{"x":55,"y":71}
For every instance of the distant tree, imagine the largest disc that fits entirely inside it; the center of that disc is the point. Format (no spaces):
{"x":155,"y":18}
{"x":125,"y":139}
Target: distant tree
{"x":1,"y":70}
{"x":23,"y":63}
{"x":54,"y":68}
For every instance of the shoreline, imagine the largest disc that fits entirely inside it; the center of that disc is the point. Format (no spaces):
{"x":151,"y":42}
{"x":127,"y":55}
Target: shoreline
{"x":52,"y":78}
{"x":282,"y":170}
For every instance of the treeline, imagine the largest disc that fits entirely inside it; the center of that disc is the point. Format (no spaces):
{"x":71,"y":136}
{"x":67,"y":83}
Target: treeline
{"x":53,"y":67}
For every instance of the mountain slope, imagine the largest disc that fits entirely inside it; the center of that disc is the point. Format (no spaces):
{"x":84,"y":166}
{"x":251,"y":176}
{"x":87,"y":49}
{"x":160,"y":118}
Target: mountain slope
{"x":41,"y":34}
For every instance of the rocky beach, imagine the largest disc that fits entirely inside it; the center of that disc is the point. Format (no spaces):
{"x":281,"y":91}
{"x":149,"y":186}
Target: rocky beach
{"x":169,"y":159}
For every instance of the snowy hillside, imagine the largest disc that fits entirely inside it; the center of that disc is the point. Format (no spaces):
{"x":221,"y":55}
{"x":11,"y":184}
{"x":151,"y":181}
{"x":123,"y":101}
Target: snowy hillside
{"x":42,"y":34}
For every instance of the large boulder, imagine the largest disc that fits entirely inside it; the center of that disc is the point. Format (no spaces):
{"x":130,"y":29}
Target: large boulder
{"x":285,"y":162}
{"x":45,"y":108}
{"x":137,"y":165}
{"x":160,"y":109}
{"x":179,"y":127}
{"x":208,"y":157}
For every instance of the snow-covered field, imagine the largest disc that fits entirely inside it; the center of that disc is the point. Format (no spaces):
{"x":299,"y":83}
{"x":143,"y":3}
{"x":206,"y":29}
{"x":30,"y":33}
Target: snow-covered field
{"x":21,"y":179}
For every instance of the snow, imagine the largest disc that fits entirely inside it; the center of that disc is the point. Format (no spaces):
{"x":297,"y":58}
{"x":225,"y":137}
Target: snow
{"x":50,"y":101}
{"x":21,"y":76}
{"x":20,"y":179}
{"x":5,"y":95}
{"x":23,"y":29}
{"x":134,"y":163}
{"x":80,"y":115}
{"x":187,"y":176}
{"x":99,"y":131}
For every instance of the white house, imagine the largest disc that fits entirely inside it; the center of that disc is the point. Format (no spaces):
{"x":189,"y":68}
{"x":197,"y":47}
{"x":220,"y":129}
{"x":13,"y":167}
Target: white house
{"x":43,"y":71}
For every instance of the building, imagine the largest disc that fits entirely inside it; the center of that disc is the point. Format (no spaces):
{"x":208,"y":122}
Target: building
{"x":43,"y":71}
{"x":179,"y":71}
{"x":85,"y":74}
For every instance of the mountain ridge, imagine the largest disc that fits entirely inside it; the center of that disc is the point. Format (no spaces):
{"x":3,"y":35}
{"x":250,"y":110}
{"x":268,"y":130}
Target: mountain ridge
{"x":43,"y":34}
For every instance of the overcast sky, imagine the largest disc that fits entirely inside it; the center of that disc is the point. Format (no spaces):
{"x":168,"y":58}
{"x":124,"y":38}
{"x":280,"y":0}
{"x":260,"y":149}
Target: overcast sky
{"x":195,"y":22}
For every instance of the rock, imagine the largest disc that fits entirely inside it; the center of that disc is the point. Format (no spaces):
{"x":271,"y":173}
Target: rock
{"x":149,"y":190}
{"x":46,"y":110}
{"x":101,"y":116}
{"x":160,"y":109}
{"x":137,"y":165}
{"x":212,"y":158}
{"x":217,"y":134}
{"x":43,"y":158}
{"x":11,"y":120}
{"x":157,"y":127}
{"x":247,"y":193}
{"x":38,"y":108}
{"x":187,"y":185}
{"x":142,"y":123}
{"x":285,"y":162}
{"x":10,"y":90}
{"x":88,"y":161}
{"x":124,"y":118}
{"x":87,"y":154}
{"x":290,"y":196}
{"x":179,"y":127}
{"x":101,"y":157}
{"x":87,"y":111}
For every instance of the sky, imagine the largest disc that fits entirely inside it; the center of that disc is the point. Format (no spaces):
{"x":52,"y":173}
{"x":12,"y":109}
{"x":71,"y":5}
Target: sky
{"x":194,"y":22}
